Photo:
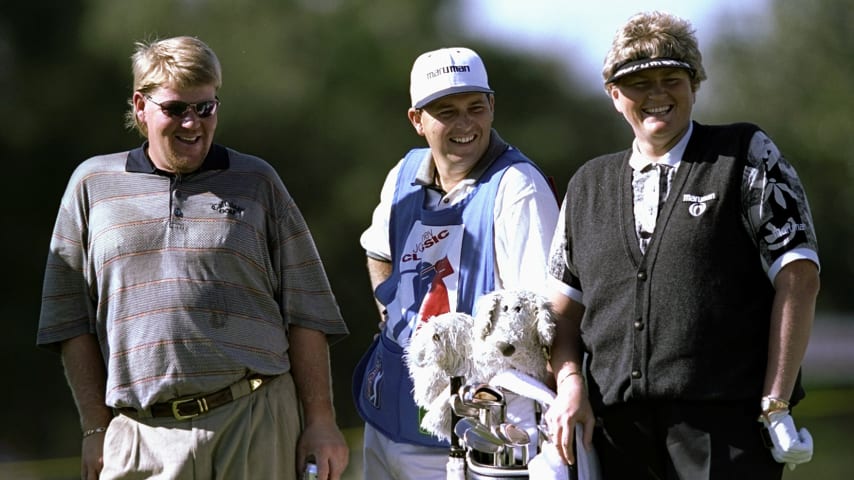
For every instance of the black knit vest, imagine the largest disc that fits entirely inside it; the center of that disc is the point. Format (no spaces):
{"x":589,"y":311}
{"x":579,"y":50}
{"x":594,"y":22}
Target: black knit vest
{"x":690,"y":319}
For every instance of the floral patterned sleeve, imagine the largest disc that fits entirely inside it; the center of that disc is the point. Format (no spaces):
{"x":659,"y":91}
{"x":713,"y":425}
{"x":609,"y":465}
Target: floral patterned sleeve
{"x":776,"y":208}
{"x":562,"y":279}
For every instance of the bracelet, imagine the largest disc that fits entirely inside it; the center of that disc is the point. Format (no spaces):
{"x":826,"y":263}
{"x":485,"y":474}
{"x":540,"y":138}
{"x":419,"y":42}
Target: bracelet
{"x":564,"y":377}
{"x":769,"y":405}
{"x":93,"y":431}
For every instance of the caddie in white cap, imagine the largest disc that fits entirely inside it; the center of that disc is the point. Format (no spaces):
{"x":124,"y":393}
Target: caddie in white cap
{"x":464,"y":216}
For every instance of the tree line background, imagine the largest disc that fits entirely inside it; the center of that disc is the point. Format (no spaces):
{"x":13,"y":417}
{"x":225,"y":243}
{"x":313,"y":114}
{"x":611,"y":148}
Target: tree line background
{"x":320,"y":90}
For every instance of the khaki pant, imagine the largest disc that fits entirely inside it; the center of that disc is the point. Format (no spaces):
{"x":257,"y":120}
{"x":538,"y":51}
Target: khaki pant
{"x":252,"y":437}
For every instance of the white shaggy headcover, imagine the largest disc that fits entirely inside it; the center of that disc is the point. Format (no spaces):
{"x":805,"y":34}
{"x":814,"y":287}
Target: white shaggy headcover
{"x":510,"y":330}
{"x":439,"y":349}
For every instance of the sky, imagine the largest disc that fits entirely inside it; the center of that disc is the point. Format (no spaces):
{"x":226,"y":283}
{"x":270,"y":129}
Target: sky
{"x":580,"y":31}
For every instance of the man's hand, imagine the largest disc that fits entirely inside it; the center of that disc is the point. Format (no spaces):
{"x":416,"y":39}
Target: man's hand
{"x":92,"y":457}
{"x":321,"y":437}
{"x":325,"y":443}
{"x":790,"y":446}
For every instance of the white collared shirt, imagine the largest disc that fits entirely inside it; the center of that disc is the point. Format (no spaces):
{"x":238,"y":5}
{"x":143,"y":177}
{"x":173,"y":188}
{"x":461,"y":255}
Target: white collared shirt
{"x":647,"y":185}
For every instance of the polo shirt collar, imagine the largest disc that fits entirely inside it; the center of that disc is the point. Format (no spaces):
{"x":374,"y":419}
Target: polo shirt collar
{"x":640,"y":162}
{"x":138,"y":161}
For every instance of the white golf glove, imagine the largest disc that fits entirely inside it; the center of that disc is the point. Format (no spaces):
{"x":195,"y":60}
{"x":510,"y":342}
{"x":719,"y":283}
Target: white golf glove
{"x":790,"y":446}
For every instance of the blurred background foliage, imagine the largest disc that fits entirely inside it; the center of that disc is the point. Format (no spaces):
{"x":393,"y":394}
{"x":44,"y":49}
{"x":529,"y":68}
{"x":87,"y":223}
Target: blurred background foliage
{"x":319,"y":88}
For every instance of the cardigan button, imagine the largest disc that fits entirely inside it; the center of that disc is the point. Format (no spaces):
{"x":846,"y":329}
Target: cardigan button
{"x":638,"y":325}
{"x":636,"y":374}
{"x":641,"y":275}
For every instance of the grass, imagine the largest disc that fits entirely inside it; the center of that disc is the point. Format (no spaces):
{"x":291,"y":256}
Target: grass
{"x":829,"y":416}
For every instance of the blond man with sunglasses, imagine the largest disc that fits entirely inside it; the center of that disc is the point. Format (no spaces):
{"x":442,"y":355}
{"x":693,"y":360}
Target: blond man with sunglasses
{"x":187,"y":299}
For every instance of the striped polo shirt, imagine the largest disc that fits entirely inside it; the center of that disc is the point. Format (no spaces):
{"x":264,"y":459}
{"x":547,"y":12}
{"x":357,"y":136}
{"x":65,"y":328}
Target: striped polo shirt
{"x":189,"y":281}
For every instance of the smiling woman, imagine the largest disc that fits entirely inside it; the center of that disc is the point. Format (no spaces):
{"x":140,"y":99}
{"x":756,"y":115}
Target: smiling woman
{"x":720,"y":302}
{"x":657,"y":103}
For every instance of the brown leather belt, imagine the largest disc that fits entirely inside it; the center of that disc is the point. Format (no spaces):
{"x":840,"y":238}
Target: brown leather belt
{"x":190,"y":407}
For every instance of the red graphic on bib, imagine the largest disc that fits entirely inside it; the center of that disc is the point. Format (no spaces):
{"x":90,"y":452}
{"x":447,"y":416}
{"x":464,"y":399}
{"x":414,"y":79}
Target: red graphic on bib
{"x":436,"y":301}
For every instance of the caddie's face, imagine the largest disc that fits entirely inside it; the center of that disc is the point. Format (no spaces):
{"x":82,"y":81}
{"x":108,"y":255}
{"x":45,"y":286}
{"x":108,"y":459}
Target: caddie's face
{"x":177,"y":143}
{"x":456,"y":127}
{"x":657,"y":104}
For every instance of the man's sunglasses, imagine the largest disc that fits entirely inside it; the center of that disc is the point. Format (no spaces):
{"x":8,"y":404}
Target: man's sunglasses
{"x":177,"y":108}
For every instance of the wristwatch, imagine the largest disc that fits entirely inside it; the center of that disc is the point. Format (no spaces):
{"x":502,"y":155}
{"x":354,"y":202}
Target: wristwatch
{"x":770,"y":405}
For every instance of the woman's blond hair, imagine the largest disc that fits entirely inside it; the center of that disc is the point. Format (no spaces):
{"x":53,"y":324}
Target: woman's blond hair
{"x":655,"y":35}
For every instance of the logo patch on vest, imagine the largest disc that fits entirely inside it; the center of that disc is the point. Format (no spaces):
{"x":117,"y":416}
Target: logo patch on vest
{"x":697,"y":203}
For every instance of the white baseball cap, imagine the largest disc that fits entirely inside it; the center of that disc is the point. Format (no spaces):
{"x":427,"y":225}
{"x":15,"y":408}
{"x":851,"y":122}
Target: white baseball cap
{"x":445,"y":72}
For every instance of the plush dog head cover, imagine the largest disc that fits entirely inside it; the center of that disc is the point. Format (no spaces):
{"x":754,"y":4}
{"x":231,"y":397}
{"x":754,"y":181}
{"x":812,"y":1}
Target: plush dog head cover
{"x":438,"y":350}
{"x":513,"y":329}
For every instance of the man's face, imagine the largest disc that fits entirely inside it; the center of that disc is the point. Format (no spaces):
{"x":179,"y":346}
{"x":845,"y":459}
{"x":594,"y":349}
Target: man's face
{"x":177,"y":143}
{"x":456,"y":127}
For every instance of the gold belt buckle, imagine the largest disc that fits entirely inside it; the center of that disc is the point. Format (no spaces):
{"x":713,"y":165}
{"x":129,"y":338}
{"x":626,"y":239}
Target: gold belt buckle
{"x":202,"y":403}
{"x":255,"y":383}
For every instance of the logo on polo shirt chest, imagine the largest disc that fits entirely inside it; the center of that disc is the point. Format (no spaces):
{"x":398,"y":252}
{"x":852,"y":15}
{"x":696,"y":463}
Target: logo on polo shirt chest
{"x":227,"y":208}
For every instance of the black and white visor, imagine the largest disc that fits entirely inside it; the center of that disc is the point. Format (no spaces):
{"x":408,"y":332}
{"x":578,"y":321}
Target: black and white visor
{"x":647,"y":63}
